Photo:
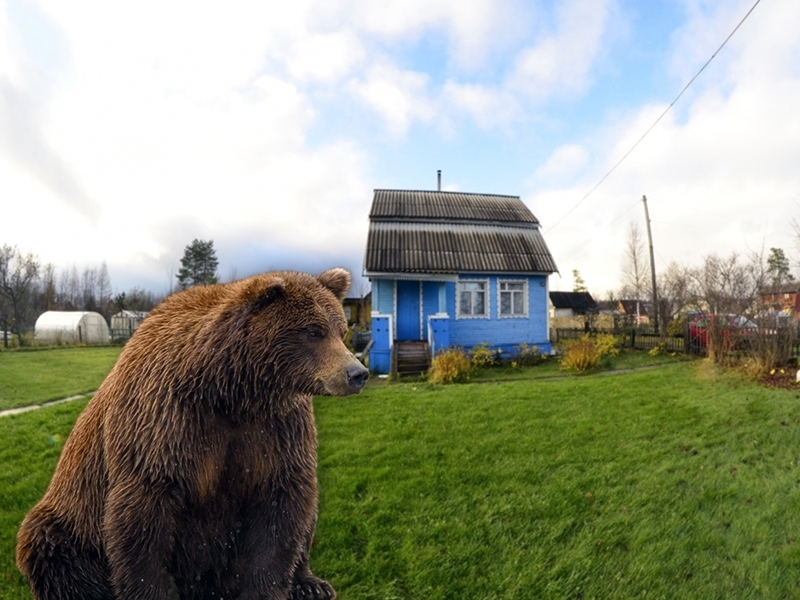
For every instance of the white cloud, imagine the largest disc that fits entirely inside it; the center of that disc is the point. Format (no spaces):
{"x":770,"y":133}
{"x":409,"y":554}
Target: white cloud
{"x":326,"y":58}
{"x":489,"y":107}
{"x":471,"y":29}
{"x":400,"y":97}
{"x":560,"y":62}
{"x":565,"y":161}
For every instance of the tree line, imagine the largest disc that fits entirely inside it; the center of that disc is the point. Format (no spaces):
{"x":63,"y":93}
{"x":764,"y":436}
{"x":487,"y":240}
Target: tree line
{"x":29,"y":287}
{"x":733,"y":284}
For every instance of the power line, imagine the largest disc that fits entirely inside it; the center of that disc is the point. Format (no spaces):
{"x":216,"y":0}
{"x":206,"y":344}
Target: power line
{"x":661,"y":116}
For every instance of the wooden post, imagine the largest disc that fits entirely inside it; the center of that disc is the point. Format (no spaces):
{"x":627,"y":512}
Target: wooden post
{"x":652,"y":266}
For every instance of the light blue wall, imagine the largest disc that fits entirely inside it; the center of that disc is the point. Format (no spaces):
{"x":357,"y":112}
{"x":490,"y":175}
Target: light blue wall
{"x":430,"y":302}
{"x":504,"y":332}
{"x":383,"y":296}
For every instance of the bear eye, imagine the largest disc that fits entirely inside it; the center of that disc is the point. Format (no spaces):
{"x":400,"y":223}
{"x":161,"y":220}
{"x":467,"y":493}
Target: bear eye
{"x":314,"y":333}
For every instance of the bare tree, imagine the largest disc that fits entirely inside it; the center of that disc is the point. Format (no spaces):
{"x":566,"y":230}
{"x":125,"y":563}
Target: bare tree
{"x":103,"y":290}
{"x":88,"y":285}
{"x":634,"y":265}
{"x":72,"y":300}
{"x":726,"y":286}
{"x":18,"y":275}
{"x":233,"y":273}
{"x":48,"y":289}
{"x":675,"y":294}
{"x":140,"y":300}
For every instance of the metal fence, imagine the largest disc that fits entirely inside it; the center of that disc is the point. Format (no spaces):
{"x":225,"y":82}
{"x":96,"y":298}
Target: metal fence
{"x":645,"y":338}
{"x":641,"y":338}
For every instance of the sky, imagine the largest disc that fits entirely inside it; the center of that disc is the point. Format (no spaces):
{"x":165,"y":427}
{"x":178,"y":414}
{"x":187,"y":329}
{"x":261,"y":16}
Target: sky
{"x":128,"y":129}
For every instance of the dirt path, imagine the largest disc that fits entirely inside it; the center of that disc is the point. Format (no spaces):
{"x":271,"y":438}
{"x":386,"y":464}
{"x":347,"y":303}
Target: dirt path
{"x":22,"y":409}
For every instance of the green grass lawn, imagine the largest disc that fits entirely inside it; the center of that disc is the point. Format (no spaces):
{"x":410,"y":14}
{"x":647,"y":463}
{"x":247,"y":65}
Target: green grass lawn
{"x":672,"y":482}
{"x":34,"y":377}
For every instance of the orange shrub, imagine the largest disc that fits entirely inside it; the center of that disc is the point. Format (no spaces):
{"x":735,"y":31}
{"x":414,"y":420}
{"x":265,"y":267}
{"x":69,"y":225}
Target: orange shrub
{"x":450,"y":366}
{"x":583,"y":355}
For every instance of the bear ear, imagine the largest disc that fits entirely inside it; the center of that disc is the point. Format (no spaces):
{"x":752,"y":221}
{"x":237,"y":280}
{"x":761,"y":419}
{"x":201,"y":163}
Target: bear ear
{"x":336,"y":280}
{"x":274,"y":289}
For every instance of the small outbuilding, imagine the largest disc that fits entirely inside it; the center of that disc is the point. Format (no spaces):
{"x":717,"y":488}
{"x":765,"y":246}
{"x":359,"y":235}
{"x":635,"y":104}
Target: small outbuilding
{"x":572,"y":304}
{"x":73,"y":327}
{"x":125,"y":322}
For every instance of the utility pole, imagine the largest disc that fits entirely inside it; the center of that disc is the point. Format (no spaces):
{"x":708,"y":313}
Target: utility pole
{"x":652,"y":265}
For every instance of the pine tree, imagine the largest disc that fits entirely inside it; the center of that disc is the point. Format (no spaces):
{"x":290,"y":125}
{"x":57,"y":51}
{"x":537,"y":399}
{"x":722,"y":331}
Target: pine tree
{"x":578,"y":285}
{"x":778,"y":268}
{"x":198,"y":265}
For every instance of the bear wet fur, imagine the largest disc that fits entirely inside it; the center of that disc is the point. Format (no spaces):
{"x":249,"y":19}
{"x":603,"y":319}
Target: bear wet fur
{"x":192,"y":471}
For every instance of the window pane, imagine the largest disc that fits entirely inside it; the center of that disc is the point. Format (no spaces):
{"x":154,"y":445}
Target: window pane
{"x":465,"y":306}
{"x":519,"y":304}
{"x":478,"y":298}
{"x":505,"y":303}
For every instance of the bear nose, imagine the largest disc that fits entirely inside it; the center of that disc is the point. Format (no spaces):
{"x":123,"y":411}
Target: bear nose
{"x":357,"y":376}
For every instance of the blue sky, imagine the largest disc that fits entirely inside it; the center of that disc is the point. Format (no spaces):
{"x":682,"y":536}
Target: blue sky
{"x":129,"y":129}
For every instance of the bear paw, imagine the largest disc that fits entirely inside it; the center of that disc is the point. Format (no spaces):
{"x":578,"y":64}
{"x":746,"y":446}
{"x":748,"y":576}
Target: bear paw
{"x":309,"y":587}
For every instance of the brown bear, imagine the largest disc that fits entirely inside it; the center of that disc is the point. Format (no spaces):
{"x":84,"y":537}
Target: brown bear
{"x":192,"y":471}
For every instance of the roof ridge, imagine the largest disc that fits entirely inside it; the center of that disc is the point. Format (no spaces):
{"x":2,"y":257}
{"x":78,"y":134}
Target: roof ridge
{"x":446,"y":192}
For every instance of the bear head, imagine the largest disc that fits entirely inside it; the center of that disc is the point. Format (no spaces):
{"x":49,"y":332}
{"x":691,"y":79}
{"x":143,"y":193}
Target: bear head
{"x":295,"y":329}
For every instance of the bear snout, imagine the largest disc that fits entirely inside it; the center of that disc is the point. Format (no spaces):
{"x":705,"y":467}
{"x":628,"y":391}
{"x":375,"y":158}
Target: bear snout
{"x":345,"y":380}
{"x":357,"y":377}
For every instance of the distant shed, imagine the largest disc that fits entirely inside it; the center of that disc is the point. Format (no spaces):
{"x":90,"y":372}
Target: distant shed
{"x":128,"y":320}
{"x":71,"y":327}
{"x":570,"y":304}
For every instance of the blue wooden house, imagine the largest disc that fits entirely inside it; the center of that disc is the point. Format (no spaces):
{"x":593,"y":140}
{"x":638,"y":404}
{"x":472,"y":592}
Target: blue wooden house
{"x":450,"y":269}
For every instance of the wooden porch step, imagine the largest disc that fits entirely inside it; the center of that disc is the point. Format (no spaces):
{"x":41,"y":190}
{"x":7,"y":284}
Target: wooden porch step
{"x":411,"y":358}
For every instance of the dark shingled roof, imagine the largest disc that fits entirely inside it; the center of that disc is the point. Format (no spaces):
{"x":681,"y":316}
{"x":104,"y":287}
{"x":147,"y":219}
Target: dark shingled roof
{"x":452,"y":232}
{"x":577,"y":301}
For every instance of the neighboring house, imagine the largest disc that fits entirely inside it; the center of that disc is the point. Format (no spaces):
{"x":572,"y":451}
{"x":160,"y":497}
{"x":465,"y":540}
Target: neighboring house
{"x":783,"y":298}
{"x":573,"y":310}
{"x":450,"y":269}
{"x":572,"y":304}
{"x":357,"y":310}
{"x":636,"y":311}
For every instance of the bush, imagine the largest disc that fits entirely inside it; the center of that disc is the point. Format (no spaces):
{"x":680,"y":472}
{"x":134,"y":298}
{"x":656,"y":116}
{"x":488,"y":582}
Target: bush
{"x":482,"y":356}
{"x":450,"y":366}
{"x":589,"y":352}
{"x":528,"y":356}
{"x":659,"y":349}
{"x":582,"y":355}
{"x":606,"y":344}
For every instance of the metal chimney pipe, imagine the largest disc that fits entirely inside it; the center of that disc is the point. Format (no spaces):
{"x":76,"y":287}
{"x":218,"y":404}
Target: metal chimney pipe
{"x":439,"y":180}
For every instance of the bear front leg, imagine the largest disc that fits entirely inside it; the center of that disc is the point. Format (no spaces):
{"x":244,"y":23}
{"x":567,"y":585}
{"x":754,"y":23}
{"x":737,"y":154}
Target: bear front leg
{"x":307,"y":585}
{"x":273,"y":544}
{"x":139,"y":528}
{"x":59,"y":565}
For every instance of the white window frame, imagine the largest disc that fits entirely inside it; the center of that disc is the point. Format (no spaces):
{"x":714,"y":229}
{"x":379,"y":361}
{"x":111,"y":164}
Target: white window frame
{"x":524,"y":291}
{"x":486,"y":300}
